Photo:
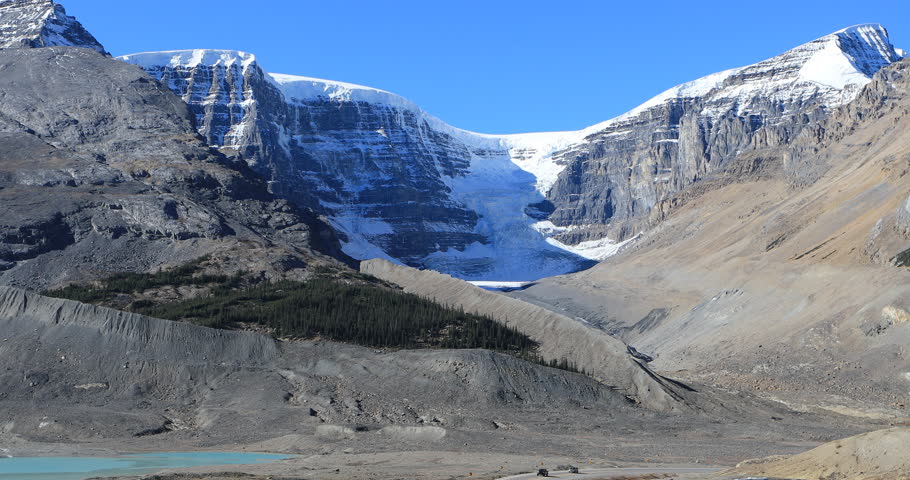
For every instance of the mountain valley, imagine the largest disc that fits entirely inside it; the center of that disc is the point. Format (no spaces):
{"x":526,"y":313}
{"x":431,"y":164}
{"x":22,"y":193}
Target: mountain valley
{"x":199,"y":255}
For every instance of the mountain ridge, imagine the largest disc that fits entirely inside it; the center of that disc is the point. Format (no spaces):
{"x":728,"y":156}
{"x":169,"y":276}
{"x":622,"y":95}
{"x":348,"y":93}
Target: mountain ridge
{"x":531,"y":197}
{"x":874,"y":35}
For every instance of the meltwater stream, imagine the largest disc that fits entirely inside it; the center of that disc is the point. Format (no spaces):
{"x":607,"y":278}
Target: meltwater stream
{"x":80,"y":468}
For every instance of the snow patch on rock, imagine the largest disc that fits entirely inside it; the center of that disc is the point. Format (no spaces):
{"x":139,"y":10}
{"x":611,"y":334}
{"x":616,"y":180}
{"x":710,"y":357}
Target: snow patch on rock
{"x":598,"y":250}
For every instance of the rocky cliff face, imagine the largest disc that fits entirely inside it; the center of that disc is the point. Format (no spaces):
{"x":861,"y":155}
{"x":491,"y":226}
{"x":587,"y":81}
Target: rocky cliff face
{"x":41,"y":23}
{"x":110,"y":175}
{"x":619,"y":174}
{"x":401,"y":184}
{"x":367,"y":164}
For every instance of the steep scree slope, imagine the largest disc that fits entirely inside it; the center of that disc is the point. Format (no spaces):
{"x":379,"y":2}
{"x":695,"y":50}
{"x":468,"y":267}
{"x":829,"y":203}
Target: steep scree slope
{"x":793,"y":289}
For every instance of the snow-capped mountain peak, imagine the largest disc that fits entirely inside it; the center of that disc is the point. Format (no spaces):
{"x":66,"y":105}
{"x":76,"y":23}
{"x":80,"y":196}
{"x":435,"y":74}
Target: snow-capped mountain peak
{"x":849,"y":56}
{"x":41,"y":23}
{"x":834,"y":62}
{"x":864,"y":36}
{"x":404,"y":185}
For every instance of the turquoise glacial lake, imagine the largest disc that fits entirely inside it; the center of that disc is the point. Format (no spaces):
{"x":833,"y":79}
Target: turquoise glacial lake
{"x":80,"y":468}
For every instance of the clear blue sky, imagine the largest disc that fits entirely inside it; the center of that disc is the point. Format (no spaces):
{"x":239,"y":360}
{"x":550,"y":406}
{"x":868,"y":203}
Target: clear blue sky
{"x":492,"y":66}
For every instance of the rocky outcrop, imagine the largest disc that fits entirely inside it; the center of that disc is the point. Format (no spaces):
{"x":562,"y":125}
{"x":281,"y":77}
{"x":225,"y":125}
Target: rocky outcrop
{"x":401,"y":184}
{"x":41,"y":23}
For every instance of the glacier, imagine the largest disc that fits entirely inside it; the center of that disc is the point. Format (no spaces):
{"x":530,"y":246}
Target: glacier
{"x":401,"y":184}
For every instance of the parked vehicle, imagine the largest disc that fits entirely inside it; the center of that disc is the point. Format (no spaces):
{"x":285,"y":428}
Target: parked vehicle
{"x":543,"y":472}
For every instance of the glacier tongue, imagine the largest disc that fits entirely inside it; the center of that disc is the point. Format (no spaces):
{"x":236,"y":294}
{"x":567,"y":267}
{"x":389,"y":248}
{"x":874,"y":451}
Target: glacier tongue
{"x":403,"y":185}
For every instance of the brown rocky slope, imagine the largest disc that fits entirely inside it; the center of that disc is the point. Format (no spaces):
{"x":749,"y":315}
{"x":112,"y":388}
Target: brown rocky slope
{"x":768,"y":279}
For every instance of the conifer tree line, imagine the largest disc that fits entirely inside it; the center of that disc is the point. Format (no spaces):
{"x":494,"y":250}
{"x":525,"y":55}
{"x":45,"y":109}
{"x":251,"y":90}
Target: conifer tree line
{"x":360,"y":313}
